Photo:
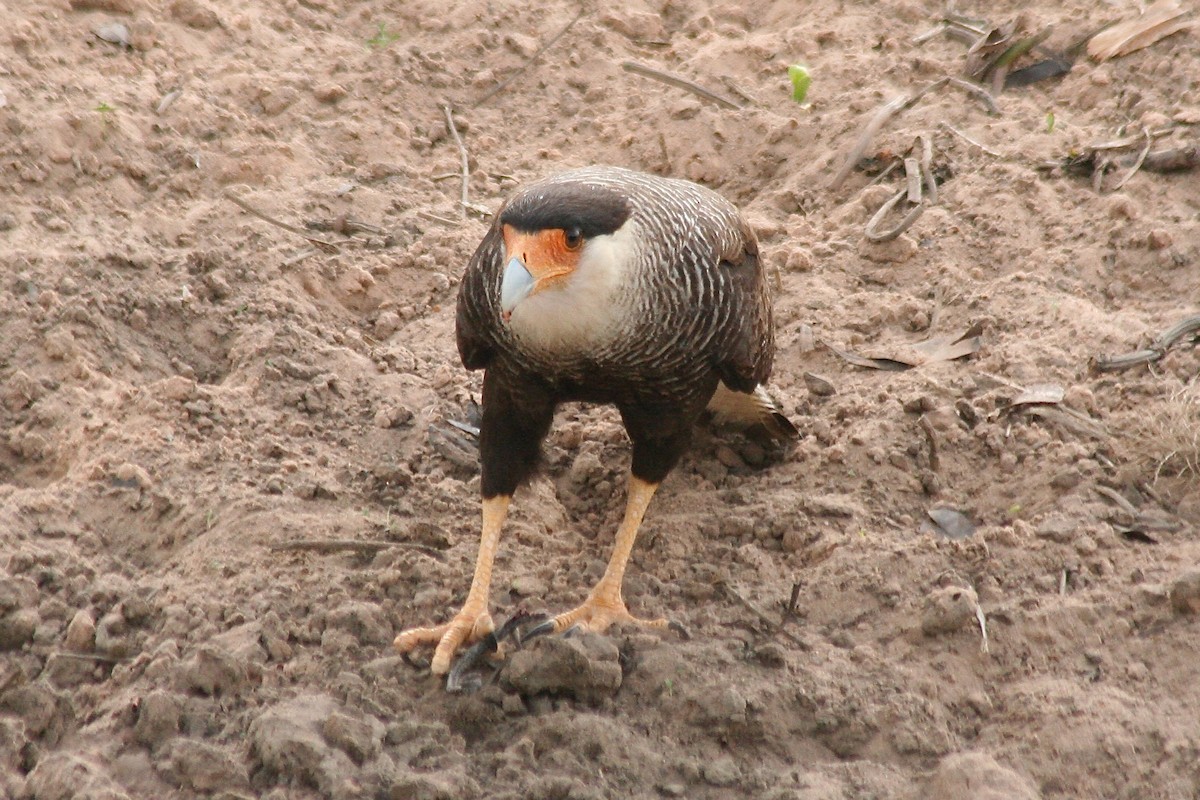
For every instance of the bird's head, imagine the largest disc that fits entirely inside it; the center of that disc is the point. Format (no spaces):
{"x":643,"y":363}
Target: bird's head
{"x":566,"y":247}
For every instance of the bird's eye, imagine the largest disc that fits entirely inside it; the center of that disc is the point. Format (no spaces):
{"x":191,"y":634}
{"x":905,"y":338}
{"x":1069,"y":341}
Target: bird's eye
{"x":573,"y":238}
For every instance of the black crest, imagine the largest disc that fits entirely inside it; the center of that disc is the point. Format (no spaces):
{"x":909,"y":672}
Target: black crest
{"x":591,"y":209}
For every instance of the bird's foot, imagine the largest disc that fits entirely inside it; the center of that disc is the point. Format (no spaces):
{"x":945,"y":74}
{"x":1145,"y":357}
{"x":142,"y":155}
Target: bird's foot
{"x":467,"y":626}
{"x":597,"y":614}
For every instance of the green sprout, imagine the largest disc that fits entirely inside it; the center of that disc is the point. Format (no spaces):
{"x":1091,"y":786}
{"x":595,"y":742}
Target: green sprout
{"x":105,"y":108}
{"x":382,"y":38}
{"x":1049,"y":122}
{"x":801,"y":80}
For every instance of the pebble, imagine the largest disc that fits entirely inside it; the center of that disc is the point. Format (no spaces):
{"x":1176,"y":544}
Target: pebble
{"x":17,"y":628}
{"x":1185,"y":593}
{"x":329,"y":92}
{"x":528,"y":586}
{"x":81,"y":632}
{"x":1158,"y":239}
{"x":818,"y":385}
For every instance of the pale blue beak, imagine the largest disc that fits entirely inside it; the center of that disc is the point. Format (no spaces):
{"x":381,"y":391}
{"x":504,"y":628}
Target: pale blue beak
{"x":515,"y":287}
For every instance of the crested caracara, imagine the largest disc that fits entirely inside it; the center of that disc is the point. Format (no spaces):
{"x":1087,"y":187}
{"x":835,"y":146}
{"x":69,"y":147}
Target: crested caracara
{"x":605,"y":285}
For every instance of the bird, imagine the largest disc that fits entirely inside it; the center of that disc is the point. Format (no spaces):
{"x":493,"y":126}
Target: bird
{"x":611,"y":286}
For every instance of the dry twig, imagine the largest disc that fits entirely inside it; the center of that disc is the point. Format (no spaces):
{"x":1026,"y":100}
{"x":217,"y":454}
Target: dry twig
{"x":465,"y":162}
{"x":330,"y":546}
{"x":319,"y":242}
{"x":680,"y":83}
{"x":993,"y":153}
{"x":880,"y":118}
{"x":1141,"y":159}
{"x":1188,"y":328}
{"x":775,"y":626}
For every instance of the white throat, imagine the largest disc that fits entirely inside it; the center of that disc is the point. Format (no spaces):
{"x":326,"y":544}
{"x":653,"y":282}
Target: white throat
{"x":585,"y":311}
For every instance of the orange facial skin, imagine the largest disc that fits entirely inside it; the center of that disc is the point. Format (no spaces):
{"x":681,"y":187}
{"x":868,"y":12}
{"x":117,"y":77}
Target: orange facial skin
{"x":549,"y":255}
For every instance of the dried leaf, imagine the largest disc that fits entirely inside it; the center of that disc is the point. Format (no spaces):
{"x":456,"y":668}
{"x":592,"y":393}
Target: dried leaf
{"x":930,"y":351}
{"x":1157,"y":22}
{"x":114,"y":32}
{"x":887,"y":364}
{"x":982,"y":55}
{"x":1039,"y":394}
{"x":1068,"y":418}
{"x":950,"y":523}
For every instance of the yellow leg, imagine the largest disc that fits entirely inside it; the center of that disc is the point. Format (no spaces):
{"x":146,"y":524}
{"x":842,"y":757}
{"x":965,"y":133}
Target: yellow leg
{"x":605,"y":605}
{"x":473,"y":621}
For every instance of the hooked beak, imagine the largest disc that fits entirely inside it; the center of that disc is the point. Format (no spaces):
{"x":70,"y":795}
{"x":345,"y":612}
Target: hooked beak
{"x":515,"y":287}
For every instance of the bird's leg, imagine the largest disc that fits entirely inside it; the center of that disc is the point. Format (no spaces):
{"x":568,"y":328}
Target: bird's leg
{"x":473,"y":621}
{"x":605,"y":605}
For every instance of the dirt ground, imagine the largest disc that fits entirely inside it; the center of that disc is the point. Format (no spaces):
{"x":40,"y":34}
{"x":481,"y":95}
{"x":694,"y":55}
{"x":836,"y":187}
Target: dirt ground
{"x":186,"y":388}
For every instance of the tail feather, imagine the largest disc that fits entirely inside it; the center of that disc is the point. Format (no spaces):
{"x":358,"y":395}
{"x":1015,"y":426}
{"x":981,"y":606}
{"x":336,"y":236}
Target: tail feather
{"x":751,"y":410}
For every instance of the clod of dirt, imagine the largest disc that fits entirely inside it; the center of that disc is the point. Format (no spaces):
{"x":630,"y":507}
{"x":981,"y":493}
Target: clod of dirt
{"x":158,"y":718}
{"x":361,"y":738}
{"x":584,"y":666}
{"x":366,"y":622}
{"x":202,"y":766}
{"x":213,"y":671}
{"x":66,"y":775}
{"x":16,"y":593}
{"x":195,"y":15}
{"x":287,"y":742}
{"x":1185,"y":592}
{"x":47,"y":714}
{"x":110,"y":635}
{"x":948,"y":609}
{"x":717,"y":707}
{"x":17,"y":627}
{"x":1057,"y":528}
{"x":978,"y":776}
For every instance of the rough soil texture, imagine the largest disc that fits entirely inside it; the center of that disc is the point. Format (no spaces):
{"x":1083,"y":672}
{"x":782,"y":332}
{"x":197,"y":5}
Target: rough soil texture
{"x":183,"y":389}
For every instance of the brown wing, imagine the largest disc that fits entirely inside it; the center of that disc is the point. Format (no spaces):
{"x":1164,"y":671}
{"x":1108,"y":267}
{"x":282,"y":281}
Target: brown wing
{"x":477,"y":317}
{"x":748,"y":347}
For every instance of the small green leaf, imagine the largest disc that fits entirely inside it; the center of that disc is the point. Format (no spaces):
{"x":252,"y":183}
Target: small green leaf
{"x":104,"y":108}
{"x":801,"y":80}
{"x":1049,"y":122}
{"x":382,"y":38}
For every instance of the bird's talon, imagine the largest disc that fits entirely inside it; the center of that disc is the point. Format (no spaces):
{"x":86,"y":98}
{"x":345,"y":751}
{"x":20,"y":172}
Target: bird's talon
{"x":541,"y":629}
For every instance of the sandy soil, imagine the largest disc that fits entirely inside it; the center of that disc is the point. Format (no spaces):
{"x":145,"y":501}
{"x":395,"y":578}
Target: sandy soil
{"x":184,"y":388}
